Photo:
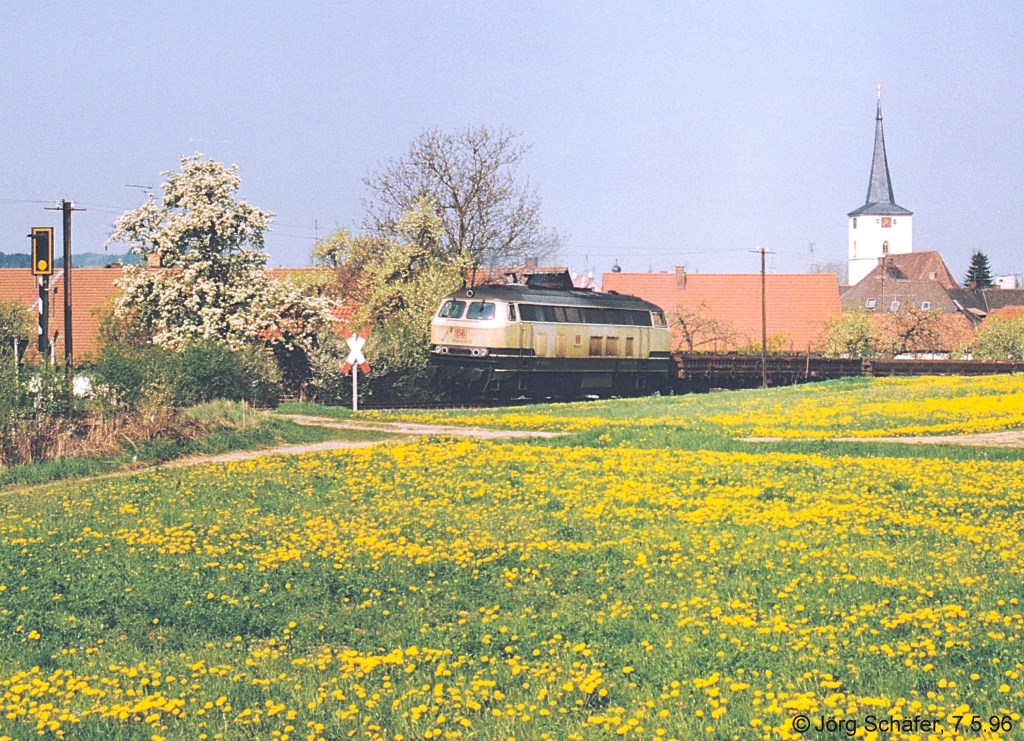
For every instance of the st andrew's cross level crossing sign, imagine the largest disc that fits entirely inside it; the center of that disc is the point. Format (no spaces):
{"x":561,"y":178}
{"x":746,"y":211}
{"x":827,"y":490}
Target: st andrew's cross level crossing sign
{"x":355,"y":356}
{"x":356,"y":362}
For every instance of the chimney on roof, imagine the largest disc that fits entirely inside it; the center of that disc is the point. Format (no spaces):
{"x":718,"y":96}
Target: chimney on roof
{"x":531,"y":262}
{"x":153,"y":260}
{"x":680,"y":277}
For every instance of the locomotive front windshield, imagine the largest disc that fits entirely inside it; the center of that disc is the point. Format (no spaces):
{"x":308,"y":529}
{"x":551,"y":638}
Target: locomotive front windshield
{"x":480,"y":310}
{"x":452,"y":310}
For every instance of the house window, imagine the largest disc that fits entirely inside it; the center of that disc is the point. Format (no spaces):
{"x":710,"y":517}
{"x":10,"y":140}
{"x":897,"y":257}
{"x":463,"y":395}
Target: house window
{"x":871,"y":304}
{"x":926,"y":306}
{"x":895,"y":305}
{"x":854,"y":222}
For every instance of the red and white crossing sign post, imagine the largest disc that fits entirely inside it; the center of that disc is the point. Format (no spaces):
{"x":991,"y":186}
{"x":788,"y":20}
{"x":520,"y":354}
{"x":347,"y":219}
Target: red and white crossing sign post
{"x":356,"y":362}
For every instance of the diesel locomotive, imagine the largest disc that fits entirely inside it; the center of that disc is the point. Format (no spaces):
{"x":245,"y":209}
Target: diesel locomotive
{"x":544,"y":338}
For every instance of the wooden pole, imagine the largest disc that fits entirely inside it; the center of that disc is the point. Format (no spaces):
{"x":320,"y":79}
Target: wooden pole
{"x":764,"y":326}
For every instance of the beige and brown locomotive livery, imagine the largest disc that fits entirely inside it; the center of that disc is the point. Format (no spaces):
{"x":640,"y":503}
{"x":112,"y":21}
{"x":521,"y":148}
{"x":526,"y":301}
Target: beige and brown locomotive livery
{"x":544,"y":338}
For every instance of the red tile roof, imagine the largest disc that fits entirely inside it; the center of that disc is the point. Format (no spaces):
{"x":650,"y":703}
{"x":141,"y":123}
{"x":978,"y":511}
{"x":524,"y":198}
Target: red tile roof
{"x":1007,"y":312}
{"x":92,"y":290}
{"x":927,"y":265}
{"x":798,"y":306}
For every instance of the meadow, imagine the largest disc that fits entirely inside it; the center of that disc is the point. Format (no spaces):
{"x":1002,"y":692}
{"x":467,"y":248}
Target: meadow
{"x":646,"y":575}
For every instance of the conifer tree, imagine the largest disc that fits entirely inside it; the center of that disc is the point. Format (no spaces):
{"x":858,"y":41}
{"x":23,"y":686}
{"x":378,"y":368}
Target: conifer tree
{"x":979,"y":275}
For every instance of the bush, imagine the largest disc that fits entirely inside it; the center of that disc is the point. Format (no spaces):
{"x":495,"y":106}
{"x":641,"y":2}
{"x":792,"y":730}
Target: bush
{"x":201,"y":372}
{"x":207,"y":370}
{"x":1000,"y":338}
{"x":125,"y":378}
{"x":328,"y":385}
{"x":398,"y":360}
{"x":15,"y":324}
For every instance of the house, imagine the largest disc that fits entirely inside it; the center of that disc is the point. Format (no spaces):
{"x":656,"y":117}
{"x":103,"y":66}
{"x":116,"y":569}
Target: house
{"x":92,"y":292}
{"x":92,"y":295}
{"x":979,"y":303}
{"x":918,"y":279}
{"x":721,"y":312}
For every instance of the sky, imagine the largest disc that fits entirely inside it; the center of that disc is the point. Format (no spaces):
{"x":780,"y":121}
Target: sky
{"x":659,"y":134}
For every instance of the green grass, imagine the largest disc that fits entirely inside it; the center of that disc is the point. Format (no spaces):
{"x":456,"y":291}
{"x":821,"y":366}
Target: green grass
{"x":314,"y":410}
{"x":647,"y":572}
{"x":231,"y":427}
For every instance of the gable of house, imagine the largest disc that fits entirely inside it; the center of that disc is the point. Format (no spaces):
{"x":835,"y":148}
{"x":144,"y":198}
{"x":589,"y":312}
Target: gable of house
{"x":875,"y":294}
{"x":916,"y":266}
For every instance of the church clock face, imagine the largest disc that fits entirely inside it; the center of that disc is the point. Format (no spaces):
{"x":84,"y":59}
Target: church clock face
{"x":886,"y":222}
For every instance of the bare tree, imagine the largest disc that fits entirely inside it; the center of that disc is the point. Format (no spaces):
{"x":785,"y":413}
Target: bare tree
{"x":910,"y":330}
{"x":487,"y":217}
{"x":697,"y":328}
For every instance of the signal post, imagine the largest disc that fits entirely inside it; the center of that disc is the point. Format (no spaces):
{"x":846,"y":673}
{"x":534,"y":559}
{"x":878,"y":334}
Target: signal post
{"x":42,"y":268}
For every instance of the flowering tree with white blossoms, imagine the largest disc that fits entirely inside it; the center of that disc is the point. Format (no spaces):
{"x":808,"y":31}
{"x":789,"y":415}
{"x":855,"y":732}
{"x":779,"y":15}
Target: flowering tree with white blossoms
{"x":215,"y":284}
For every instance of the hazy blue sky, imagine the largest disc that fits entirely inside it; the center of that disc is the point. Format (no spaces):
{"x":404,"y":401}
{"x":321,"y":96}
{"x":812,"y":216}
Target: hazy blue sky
{"x":661,"y":133}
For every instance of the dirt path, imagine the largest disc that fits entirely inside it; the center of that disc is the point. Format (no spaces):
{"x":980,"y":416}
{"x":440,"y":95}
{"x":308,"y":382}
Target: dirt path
{"x":397,"y":431}
{"x":410,"y":428}
{"x":1005,"y":439}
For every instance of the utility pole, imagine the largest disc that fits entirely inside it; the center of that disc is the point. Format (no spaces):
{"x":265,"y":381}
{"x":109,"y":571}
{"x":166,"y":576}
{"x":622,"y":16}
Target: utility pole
{"x":66,"y":207}
{"x":764,"y":320}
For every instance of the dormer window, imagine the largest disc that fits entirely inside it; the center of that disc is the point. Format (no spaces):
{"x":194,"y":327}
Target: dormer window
{"x":870,"y":304}
{"x":895,"y":305}
{"x":926,"y":305}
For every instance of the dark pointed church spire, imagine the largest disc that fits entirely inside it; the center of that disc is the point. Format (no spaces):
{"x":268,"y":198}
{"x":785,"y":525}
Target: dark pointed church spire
{"x":880,"y":186}
{"x":880,"y":198}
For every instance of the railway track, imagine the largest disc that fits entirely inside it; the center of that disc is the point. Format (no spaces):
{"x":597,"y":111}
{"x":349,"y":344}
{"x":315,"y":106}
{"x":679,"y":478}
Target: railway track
{"x":700,"y":372}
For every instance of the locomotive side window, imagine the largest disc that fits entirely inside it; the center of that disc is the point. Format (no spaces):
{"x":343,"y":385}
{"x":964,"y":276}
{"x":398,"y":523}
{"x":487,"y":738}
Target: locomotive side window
{"x":659,"y":319}
{"x":480,"y":310}
{"x":586,"y":315}
{"x":452,"y":310}
{"x":511,"y":312}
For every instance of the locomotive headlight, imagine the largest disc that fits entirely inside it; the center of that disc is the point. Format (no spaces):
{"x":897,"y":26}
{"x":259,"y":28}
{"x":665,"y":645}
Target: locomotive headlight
{"x":441,"y":350}
{"x":478,"y":352}
{"x":483,"y":352}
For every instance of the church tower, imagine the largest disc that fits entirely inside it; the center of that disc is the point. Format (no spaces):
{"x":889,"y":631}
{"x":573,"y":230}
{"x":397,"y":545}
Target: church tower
{"x":879,"y":227}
